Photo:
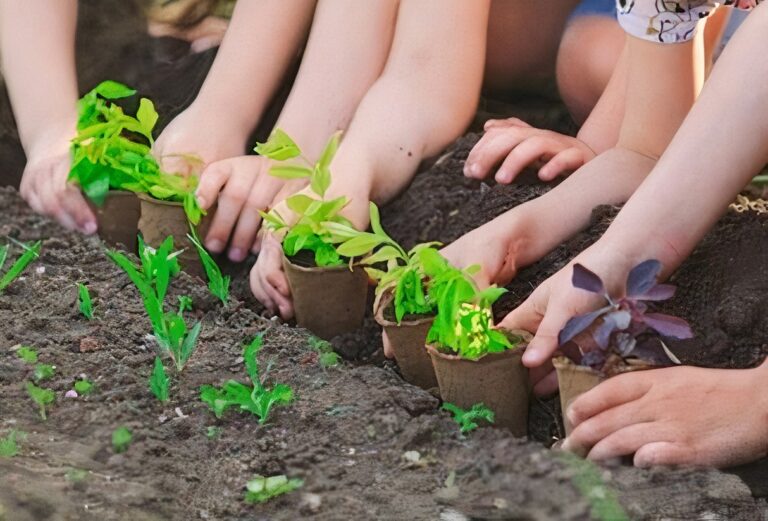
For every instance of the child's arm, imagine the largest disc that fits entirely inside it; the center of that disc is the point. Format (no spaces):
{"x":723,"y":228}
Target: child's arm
{"x":37,"y":46}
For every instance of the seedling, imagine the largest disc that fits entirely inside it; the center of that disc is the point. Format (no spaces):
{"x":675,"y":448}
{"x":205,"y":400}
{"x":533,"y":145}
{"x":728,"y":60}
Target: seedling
{"x":84,"y":301}
{"x":464,"y":321}
{"x":43,"y":372}
{"x":185,"y":303}
{"x":217,"y":283}
{"x":83,"y":387}
{"x":9,"y":446}
{"x":159,"y":381}
{"x":31,"y":252}
{"x":311,"y":231}
{"x":623,"y":328}
{"x":27,"y":354}
{"x":326,"y":355}
{"x":113,"y":151}
{"x":467,"y":419}
{"x":261,"y":489}
{"x":42,"y":397}
{"x":121,"y":439}
{"x":212,"y":432}
{"x":256,"y":398}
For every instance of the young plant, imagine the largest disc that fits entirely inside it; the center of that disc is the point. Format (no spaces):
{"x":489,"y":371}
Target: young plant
{"x":43,"y":372}
{"x":84,"y":301}
{"x":27,"y":354}
{"x":325,"y":353}
{"x":9,"y":446}
{"x":121,"y":439}
{"x":255,"y":398}
{"x":83,"y":386}
{"x":464,"y":321}
{"x":218,"y":284}
{"x":42,"y":397}
{"x":31,"y":252}
{"x":159,"y":383}
{"x":113,"y":151}
{"x":467,"y":419}
{"x":311,"y":231}
{"x":261,"y":489}
{"x":623,"y":328}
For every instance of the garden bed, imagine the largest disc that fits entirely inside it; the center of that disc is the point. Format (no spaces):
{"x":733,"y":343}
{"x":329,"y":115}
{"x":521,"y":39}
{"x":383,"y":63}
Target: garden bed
{"x":367,"y":445}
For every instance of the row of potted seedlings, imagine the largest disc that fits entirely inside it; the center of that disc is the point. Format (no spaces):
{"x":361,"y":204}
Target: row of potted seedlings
{"x":438,"y":322}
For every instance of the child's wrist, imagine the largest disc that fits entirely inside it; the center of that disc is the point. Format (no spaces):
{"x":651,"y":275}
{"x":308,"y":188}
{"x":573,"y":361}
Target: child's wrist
{"x":235,"y":124}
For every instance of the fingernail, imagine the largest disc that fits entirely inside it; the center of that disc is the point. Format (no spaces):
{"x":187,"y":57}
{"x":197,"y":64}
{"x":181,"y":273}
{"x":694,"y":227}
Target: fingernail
{"x":202,"y":202}
{"x":236,"y":255}
{"x":215,"y":245}
{"x":502,"y":177}
{"x":90,"y":228}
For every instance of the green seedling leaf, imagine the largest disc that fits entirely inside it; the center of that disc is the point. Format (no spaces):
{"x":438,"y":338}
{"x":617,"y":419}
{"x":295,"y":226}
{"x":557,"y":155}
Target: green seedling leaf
{"x":3,"y":256}
{"x":185,"y":304}
{"x":84,"y":301}
{"x":43,"y":372}
{"x":74,"y":475}
{"x":32,"y":252}
{"x":112,"y":90}
{"x":27,"y":354}
{"x":218,"y":284}
{"x":467,"y":419}
{"x":9,"y":446}
{"x":42,"y":397}
{"x":261,"y":489}
{"x":159,"y":383}
{"x":290,"y":171}
{"x":121,"y":439}
{"x":279,"y":147}
{"x":147,"y":116}
{"x":588,"y":479}
{"x":192,"y":209}
{"x":83,"y":387}
{"x":212,"y":432}
{"x":327,"y":357}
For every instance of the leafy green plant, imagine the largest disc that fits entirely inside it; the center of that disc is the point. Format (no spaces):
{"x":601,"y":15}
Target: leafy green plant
{"x":83,"y":386}
{"x":467,"y":418}
{"x":42,"y":397}
{"x":121,"y":439}
{"x":218,"y":284}
{"x":27,"y":354}
{"x":255,"y":398}
{"x":84,"y":301}
{"x":152,"y":279}
{"x":325,"y":353}
{"x":159,"y":382}
{"x":185,"y":303}
{"x":261,"y":489}
{"x":464,"y":321}
{"x":31,"y":252}
{"x":43,"y":372}
{"x":113,"y":151}
{"x":9,"y":446}
{"x":313,"y":214}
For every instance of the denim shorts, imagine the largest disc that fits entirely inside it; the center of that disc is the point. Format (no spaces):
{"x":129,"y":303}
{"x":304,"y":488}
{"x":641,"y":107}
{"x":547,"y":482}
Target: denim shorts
{"x":593,"y":7}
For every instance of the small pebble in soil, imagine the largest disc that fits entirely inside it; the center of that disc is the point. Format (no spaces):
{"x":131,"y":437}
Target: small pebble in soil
{"x":70,"y":394}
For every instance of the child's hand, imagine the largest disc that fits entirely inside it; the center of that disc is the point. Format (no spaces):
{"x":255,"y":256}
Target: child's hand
{"x":241,"y":187}
{"x":268,"y":282}
{"x":517,"y":145}
{"x":45,"y":188}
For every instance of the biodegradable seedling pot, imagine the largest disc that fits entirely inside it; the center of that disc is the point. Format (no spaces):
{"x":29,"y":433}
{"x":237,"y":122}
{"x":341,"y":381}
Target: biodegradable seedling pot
{"x":407,"y":340}
{"x":328,"y":301}
{"x":118,"y":219}
{"x":160,"y":219}
{"x":498,"y":380}
{"x":575,"y":380}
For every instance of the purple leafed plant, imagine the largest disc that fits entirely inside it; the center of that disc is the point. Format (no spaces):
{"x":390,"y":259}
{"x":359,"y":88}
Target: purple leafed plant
{"x":623,"y":328}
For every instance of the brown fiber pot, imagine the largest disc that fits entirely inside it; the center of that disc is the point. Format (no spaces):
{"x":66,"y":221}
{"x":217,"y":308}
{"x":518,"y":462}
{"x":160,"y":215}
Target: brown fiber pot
{"x":575,"y":380}
{"x":407,"y":340}
{"x":499,"y":381}
{"x":160,"y":219}
{"x":327,"y":301}
{"x":118,"y":219}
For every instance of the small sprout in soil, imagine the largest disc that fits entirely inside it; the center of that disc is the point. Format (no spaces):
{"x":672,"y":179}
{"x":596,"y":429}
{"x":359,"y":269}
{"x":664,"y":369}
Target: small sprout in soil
{"x":43,"y":372}
{"x":256,"y":398}
{"x":464,"y":321}
{"x":326,"y":355}
{"x":27,"y":354}
{"x":261,"y":489}
{"x":590,"y":483}
{"x":84,"y":301}
{"x":42,"y":397}
{"x":467,"y":419}
{"x":218,"y":284}
{"x":31,"y":252}
{"x":185,"y":303}
{"x":212,"y":432}
{"x":74,"y":475}
{"x":121,"y":439}
{"x":159,"y":382}
{"x":9,"y":446}
{"x":623,"y":328}
{"x":315,"y":215}
{"x":83,"y":387}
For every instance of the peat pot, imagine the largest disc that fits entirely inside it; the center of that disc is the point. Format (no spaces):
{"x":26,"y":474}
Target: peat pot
{"x":498,"y":380}
{"x":328,"y":301}
{"x":118,"y":219}
{"x":407,"y":340}
{"x":160,"y":219}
